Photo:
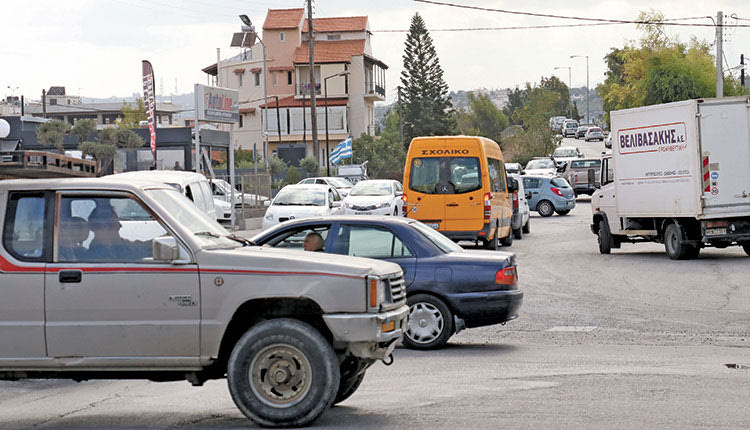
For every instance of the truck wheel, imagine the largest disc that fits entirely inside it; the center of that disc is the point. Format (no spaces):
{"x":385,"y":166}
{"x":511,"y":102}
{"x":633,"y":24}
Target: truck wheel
{"x":430,"y":322}
{"x":517,"y":234}
{"x":676,"y":250}
{"x":545,"y":208}
{"x":348,"y":386}
{"x":605,"y":238}
{"x":282,"y":372}
{"x":563,"y":213}
{"x":507,"y":240}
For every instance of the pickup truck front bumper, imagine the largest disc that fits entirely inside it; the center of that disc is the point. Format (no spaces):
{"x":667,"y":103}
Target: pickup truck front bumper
{"x":369,"y":335}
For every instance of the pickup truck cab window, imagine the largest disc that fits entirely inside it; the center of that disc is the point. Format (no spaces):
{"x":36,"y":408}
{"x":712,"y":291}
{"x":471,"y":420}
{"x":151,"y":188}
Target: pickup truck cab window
{"x":27,"y":225}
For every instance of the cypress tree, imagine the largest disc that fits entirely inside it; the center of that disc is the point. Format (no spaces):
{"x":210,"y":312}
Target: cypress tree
{"x":426,"y":105}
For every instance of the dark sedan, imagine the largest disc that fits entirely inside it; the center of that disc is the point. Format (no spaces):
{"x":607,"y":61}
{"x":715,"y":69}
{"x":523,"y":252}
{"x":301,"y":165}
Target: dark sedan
{"x":448,"y":288}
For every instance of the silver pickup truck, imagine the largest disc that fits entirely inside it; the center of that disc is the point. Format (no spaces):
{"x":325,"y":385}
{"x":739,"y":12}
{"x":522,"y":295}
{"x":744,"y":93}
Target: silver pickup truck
{"x":108,"y":278}
{"x":582,"y":174}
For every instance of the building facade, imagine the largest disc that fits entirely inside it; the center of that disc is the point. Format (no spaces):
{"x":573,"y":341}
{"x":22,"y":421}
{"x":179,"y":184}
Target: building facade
{"x":347,"y":77}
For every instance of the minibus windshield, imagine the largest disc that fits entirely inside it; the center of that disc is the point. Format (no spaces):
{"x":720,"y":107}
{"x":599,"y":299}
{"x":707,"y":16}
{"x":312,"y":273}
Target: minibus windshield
{"x":445,"y":175}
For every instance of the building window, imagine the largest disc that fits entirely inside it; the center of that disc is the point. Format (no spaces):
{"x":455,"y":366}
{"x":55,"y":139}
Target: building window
{"x":257,"y":78}
{"x":289,"y":78}
{"x":239,"y":79}
{"x":274,"y":78}
{"x":241,"y":122}
{"x":282,"y":36}
{"x":333,"y":37}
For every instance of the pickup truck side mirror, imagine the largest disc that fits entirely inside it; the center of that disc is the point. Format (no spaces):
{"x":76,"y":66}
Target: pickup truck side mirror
{"x":165,"y":249}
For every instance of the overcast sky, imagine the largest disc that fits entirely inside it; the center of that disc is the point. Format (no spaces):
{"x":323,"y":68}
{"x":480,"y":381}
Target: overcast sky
{"x":94,"y":47}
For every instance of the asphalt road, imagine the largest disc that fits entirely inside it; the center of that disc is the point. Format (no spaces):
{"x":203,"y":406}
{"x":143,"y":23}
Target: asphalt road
{"x":626,"y":340}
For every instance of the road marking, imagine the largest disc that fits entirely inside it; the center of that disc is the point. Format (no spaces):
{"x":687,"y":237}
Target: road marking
{"x":573,"y":328}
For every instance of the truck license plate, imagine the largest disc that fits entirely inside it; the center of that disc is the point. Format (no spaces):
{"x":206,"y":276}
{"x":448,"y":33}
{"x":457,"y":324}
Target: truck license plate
{"x":716,"y":231}
{"x":433,"y":225}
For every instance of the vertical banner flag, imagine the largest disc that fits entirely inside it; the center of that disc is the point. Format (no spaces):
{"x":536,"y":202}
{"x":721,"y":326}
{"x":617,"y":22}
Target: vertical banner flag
{"x":149,"y":99}
{"x":341,"y":151}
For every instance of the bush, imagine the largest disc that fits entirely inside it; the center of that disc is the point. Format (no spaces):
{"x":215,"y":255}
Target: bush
{"x":309,"y":165}
{"x":292,"y":175}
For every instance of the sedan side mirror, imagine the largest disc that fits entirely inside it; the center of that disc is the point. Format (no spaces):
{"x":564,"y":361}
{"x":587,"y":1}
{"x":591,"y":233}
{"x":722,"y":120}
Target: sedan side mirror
{"x":165,"y":249}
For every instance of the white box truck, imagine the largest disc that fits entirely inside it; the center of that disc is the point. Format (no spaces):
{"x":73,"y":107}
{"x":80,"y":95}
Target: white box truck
{"x":679,"y":174}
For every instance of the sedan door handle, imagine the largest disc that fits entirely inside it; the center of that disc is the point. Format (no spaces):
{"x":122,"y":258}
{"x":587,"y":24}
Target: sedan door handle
{"x":452,"y":204}
{"x":70,"y":276}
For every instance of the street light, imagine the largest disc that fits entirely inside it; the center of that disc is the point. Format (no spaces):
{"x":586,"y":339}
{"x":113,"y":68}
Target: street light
{"x":570,"y":93}
{"x":588,"y":113}
{"x":325,"y":96}
{"x":247,"y":22}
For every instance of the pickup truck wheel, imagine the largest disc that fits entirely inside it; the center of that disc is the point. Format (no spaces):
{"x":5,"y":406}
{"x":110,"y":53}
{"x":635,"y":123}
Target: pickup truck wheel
{"x":430,"y":322}
{"x":605,"y":238}
{"x":676,"y":250}
{"x":348,"y":386}
{"x":545,"y":208}
{"x":527,"y":227}
{"x":282,"y":372}
{"x":746,"y":247}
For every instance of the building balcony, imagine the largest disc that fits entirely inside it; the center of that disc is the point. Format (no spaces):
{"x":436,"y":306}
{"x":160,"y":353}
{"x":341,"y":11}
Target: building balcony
{"x":374,"y":91}
{"x":303,"y":90}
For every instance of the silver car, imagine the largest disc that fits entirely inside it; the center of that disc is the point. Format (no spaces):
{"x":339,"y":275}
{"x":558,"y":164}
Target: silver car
{"x":594,"y":133}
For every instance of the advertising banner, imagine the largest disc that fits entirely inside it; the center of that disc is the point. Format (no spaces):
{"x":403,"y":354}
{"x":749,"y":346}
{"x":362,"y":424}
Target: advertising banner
{"x":149,"y":99}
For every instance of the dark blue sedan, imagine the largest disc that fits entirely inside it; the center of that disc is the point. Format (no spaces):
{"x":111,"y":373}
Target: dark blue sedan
{"x":448,"y":288}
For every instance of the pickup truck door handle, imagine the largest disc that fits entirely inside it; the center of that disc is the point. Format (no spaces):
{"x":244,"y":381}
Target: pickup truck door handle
{"x":452,"y":204}
{"x":70,"y":276}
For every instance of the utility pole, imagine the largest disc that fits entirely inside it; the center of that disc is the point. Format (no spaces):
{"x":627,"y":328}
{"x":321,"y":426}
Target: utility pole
{"x":313,"y":117}
{"x":742,"y":70}
{"x":719,"y":54}
{"x":44,"y":103}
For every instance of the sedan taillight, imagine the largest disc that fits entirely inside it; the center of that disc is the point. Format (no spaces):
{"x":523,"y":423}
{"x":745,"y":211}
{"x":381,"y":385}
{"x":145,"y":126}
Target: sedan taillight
{"x":507,"y":276}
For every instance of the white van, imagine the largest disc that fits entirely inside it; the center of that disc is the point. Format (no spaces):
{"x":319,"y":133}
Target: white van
{"x":193,"y":185}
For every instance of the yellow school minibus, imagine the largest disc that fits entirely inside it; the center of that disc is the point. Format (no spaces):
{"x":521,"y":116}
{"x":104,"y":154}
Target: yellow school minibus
{"x":458,"y":186}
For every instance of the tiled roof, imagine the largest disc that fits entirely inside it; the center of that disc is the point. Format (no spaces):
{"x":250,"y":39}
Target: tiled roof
{"x":293,"y":102}
{"x":339,"y":51}
{"x":247,"y":110}
{"x":346,"y":23}
{"x":280,"y":68}
{"x":278,"y":19}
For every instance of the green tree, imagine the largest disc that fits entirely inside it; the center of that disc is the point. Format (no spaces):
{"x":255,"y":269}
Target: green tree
{"x":483,"y":118}
{"x":128,"y":139}
{"x":276,"y":165}
{"x":310,"y":165}
{"x":132,"y":116}
{"x":516,"y":100}
{"x":385,"y":154}
{"x":52,"y":133}
{"x":292,"y":175}
{"x":554,"y":84}
{"x":426,"y":105}
{"x":536,"y":139}
{"x":83,"y":129}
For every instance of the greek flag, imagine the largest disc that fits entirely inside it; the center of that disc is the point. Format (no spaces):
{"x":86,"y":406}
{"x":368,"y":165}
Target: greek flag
{"x":341,"y":151}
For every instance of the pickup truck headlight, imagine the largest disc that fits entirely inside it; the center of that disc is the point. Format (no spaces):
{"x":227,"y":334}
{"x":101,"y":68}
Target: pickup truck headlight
{"x":375,"y":292}
{"x":269,"y":215}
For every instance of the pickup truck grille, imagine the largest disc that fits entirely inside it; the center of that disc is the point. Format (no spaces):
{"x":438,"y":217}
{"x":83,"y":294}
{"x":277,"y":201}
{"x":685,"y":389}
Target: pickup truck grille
{"x":398,"y":288}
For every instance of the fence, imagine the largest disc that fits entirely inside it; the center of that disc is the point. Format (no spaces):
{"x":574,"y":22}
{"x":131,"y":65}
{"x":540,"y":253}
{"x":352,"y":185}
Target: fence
{"x":252,"y":190}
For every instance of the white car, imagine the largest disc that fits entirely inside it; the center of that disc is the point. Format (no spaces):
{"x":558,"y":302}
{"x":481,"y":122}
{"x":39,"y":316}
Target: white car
{"x":301,"y":201}
{"x":563,"y":154}
{"x":375,"y":197}
{"x":341,"y":184}
{"x":513,"y":168}
{"x":521,"y":225}
{"x":222,"y":189}
{"x":223,"y":209}
{"x":541,"y":166}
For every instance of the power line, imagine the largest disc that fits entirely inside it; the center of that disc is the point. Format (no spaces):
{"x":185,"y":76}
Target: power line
{"x":528,"y":27}
{"x":575,"y":18}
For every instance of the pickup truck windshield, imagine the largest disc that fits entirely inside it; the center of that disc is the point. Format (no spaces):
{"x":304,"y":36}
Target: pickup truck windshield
{"x":193,"y":219}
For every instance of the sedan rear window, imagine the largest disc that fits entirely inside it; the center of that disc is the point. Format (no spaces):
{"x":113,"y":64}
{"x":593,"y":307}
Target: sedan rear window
{"x":585,"y":164}
{"x":445,"y":175}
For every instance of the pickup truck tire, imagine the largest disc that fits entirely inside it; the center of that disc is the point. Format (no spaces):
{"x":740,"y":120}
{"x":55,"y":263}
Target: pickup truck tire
{"x":676,"y":250}
{"x":430,"y":322}
{"x":527,"y":227}
{"x":605,"y":238}
{"x":545,"y":208}
{"x":746,"y":246}
{"x":283,"y":373}
{"x":348,"y":386}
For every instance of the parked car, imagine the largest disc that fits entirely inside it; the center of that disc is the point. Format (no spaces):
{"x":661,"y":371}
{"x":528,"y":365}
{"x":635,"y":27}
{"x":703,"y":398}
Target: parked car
{"x":520,"y":222}
{"x":192,"y":185}
{"x":541,"y":166}
{"x":581,"y":130}
{"x":608,"y":141}
{"x":447,"y":288}
{"x":514,"y":168}
{"x":549,"y":195}
{"x":563,"y":154}
{"x":292,"y":332}
{"x":342,"y":185}
{"x":301,"y":201}
{"x":569,"y":128}
{"x":222,"y":189}
{"x":583,"y":175}
{"x":594,"y":133}
{"x":375,"y":197}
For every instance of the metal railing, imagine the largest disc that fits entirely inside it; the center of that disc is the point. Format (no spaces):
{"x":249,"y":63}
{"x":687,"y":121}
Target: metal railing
{"x":303,"y":89}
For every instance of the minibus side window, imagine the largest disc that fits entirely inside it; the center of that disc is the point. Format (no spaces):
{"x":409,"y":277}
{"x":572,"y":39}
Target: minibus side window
{"x":497,"y":175}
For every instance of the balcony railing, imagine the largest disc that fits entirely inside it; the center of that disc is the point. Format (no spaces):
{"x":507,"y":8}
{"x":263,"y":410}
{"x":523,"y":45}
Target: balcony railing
{"x":304,"y":89}
{"x":373,"y":88}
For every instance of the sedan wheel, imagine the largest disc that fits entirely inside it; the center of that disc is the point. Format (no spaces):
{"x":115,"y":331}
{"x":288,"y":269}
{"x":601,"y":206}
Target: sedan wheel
{"x":545,"y":208}
{"x":430,"y":323}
